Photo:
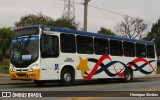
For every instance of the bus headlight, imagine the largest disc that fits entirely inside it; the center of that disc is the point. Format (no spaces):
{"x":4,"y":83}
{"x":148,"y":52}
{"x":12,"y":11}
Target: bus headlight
{"x":12,"y":68}
{"x":33,"y":67}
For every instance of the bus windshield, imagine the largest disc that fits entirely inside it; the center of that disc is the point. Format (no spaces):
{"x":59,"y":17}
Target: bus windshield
{"x":25,"y":48}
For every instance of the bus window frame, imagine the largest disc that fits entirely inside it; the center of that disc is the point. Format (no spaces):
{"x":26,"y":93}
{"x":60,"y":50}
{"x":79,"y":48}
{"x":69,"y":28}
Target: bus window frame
{"x":49,"y":56}
{"x":110,"y":50}
{"x":134,"y":55}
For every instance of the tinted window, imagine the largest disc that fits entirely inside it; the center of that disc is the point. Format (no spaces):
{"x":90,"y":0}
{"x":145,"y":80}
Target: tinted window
{"x":129,"y":49}
{"x":68,"y":44}
{"x":49,"y":46}
{"x":140,"y":50}
{"x":26,"y":31}
{"x":116,"y":48}
{"x":84,"y":44}
{"x":150,"y":51}
{"x":101,"y":46}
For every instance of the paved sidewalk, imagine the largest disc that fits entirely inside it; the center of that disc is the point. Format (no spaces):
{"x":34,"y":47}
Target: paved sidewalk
{"x":153,"y":76}
{"x":4,"y":80}
{"x":4,"y":75}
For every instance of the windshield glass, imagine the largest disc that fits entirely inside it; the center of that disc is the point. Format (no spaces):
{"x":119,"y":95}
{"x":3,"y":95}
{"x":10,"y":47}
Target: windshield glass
{"x":25,"y":48}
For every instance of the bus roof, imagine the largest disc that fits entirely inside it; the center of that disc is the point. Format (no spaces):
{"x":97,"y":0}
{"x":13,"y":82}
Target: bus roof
{"x":63,"y":30}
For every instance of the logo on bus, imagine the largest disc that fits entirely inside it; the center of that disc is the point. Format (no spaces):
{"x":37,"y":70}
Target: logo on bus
{"x":88,"y":73}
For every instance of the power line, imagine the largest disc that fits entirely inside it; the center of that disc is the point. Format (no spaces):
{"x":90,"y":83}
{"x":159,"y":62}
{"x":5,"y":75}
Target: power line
{"x":117,"y":13}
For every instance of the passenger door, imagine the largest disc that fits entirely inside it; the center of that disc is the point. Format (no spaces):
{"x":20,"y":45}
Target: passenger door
{"x":49,"y":57}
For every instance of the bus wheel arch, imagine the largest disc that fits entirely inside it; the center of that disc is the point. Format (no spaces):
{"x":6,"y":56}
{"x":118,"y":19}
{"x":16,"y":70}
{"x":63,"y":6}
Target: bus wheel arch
{"x":128,"y":74}
{"x":67,"y":75}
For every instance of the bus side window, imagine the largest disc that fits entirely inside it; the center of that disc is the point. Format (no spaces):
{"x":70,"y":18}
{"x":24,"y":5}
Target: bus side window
{"x":101,"y":46}
{"x":84,"y":44}
{"x":68,"y":43}
{"x":129,"y":49}
{"x":150,"y":51}
{"x":140,"y":50}
{"x":116,"y":48}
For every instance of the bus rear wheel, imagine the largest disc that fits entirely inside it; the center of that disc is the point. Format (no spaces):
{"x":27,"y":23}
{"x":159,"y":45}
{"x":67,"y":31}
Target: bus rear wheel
{"x":67,"y":77}
{"x":128,"y":75}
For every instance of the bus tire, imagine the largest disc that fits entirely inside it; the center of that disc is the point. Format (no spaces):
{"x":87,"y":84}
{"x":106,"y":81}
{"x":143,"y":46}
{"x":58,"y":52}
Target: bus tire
{"x":67,"y":77}
{"x":128,"y":75}
{"x":39,"y":83}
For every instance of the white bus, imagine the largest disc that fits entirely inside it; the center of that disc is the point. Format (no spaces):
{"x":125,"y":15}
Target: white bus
{"x":45,"y":53}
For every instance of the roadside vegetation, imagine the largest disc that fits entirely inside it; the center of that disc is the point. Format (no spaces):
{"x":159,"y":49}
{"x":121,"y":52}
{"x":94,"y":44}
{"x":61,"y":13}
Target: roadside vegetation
{"x":4,"y":66}
{"x":158,"y":70}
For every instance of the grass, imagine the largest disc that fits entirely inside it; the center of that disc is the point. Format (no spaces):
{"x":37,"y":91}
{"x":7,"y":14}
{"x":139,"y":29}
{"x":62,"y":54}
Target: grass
{"x":4,"y":66}
{"x":5,"y":62}
{"x":158,"y":70}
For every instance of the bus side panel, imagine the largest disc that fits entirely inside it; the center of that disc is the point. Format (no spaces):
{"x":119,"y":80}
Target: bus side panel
{"x":152,"y":67}
{"x":85,"y":66}
{"x":111,"y":67}
{"x":49,"y":69}
{"x":145,"y":67}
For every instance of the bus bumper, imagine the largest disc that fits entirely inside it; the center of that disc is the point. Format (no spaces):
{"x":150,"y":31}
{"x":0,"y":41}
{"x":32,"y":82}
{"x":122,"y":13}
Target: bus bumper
{"x":25,"y":75}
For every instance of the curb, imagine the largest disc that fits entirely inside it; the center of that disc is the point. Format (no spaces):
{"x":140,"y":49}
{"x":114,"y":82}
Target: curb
{"x":4,"y":75}
{"x":153,"y":76}
{"x":11,"y":83}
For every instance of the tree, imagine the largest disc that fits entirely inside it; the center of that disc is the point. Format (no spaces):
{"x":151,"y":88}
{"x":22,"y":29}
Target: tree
{"x":41,"y":19}
{"x":32,"y":19}
{"x":105,"y":31}
{"x":64,"y":23}
{"x":154,"y":34}
{"x":5,"y":40}
{"x":132,"y":27}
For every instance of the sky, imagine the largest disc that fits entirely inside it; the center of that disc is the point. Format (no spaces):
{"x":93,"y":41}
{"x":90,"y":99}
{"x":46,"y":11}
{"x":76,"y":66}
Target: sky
{"x":149,"y":10}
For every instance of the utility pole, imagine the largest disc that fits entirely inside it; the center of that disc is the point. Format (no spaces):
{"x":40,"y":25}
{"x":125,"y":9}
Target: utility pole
{"x":85,"y":14}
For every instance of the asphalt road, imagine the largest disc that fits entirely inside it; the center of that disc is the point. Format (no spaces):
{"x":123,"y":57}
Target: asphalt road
{"x":94,"y":85}
{"x":94,"y":89}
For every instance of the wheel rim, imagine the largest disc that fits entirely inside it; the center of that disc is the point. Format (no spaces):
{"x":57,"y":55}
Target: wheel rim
{"x":128,"y":76}
{"x":67,"y":77}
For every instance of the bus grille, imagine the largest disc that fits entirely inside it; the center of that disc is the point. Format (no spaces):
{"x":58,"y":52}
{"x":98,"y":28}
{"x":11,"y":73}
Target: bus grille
{"x":21,"y":74}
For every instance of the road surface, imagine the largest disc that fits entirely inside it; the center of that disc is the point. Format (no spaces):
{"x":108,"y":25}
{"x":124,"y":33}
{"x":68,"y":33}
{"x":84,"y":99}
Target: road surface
{"x":89,"y":90}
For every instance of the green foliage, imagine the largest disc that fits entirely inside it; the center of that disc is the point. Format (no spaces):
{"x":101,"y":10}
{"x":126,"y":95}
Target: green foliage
{"x":5,"y":62}
{"x":155,"y":35}
{"x":105,"y":31}
{"x":158,"y":70}
{"x":5,"y":40}
{"x":64,"y":23}
{"x":4,"y":66}
{"x":40,"y":19}
{"x":32,"y":19}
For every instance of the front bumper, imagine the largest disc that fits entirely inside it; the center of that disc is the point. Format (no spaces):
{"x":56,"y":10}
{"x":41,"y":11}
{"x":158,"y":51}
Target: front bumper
{"x":35,"y":75}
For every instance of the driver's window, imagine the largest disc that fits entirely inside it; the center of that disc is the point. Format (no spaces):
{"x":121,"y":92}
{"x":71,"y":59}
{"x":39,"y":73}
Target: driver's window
{"x":49,"y":46}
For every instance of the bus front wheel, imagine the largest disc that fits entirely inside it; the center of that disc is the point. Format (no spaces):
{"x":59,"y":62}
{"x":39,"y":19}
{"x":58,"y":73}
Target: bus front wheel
{"x":67,"y":77}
